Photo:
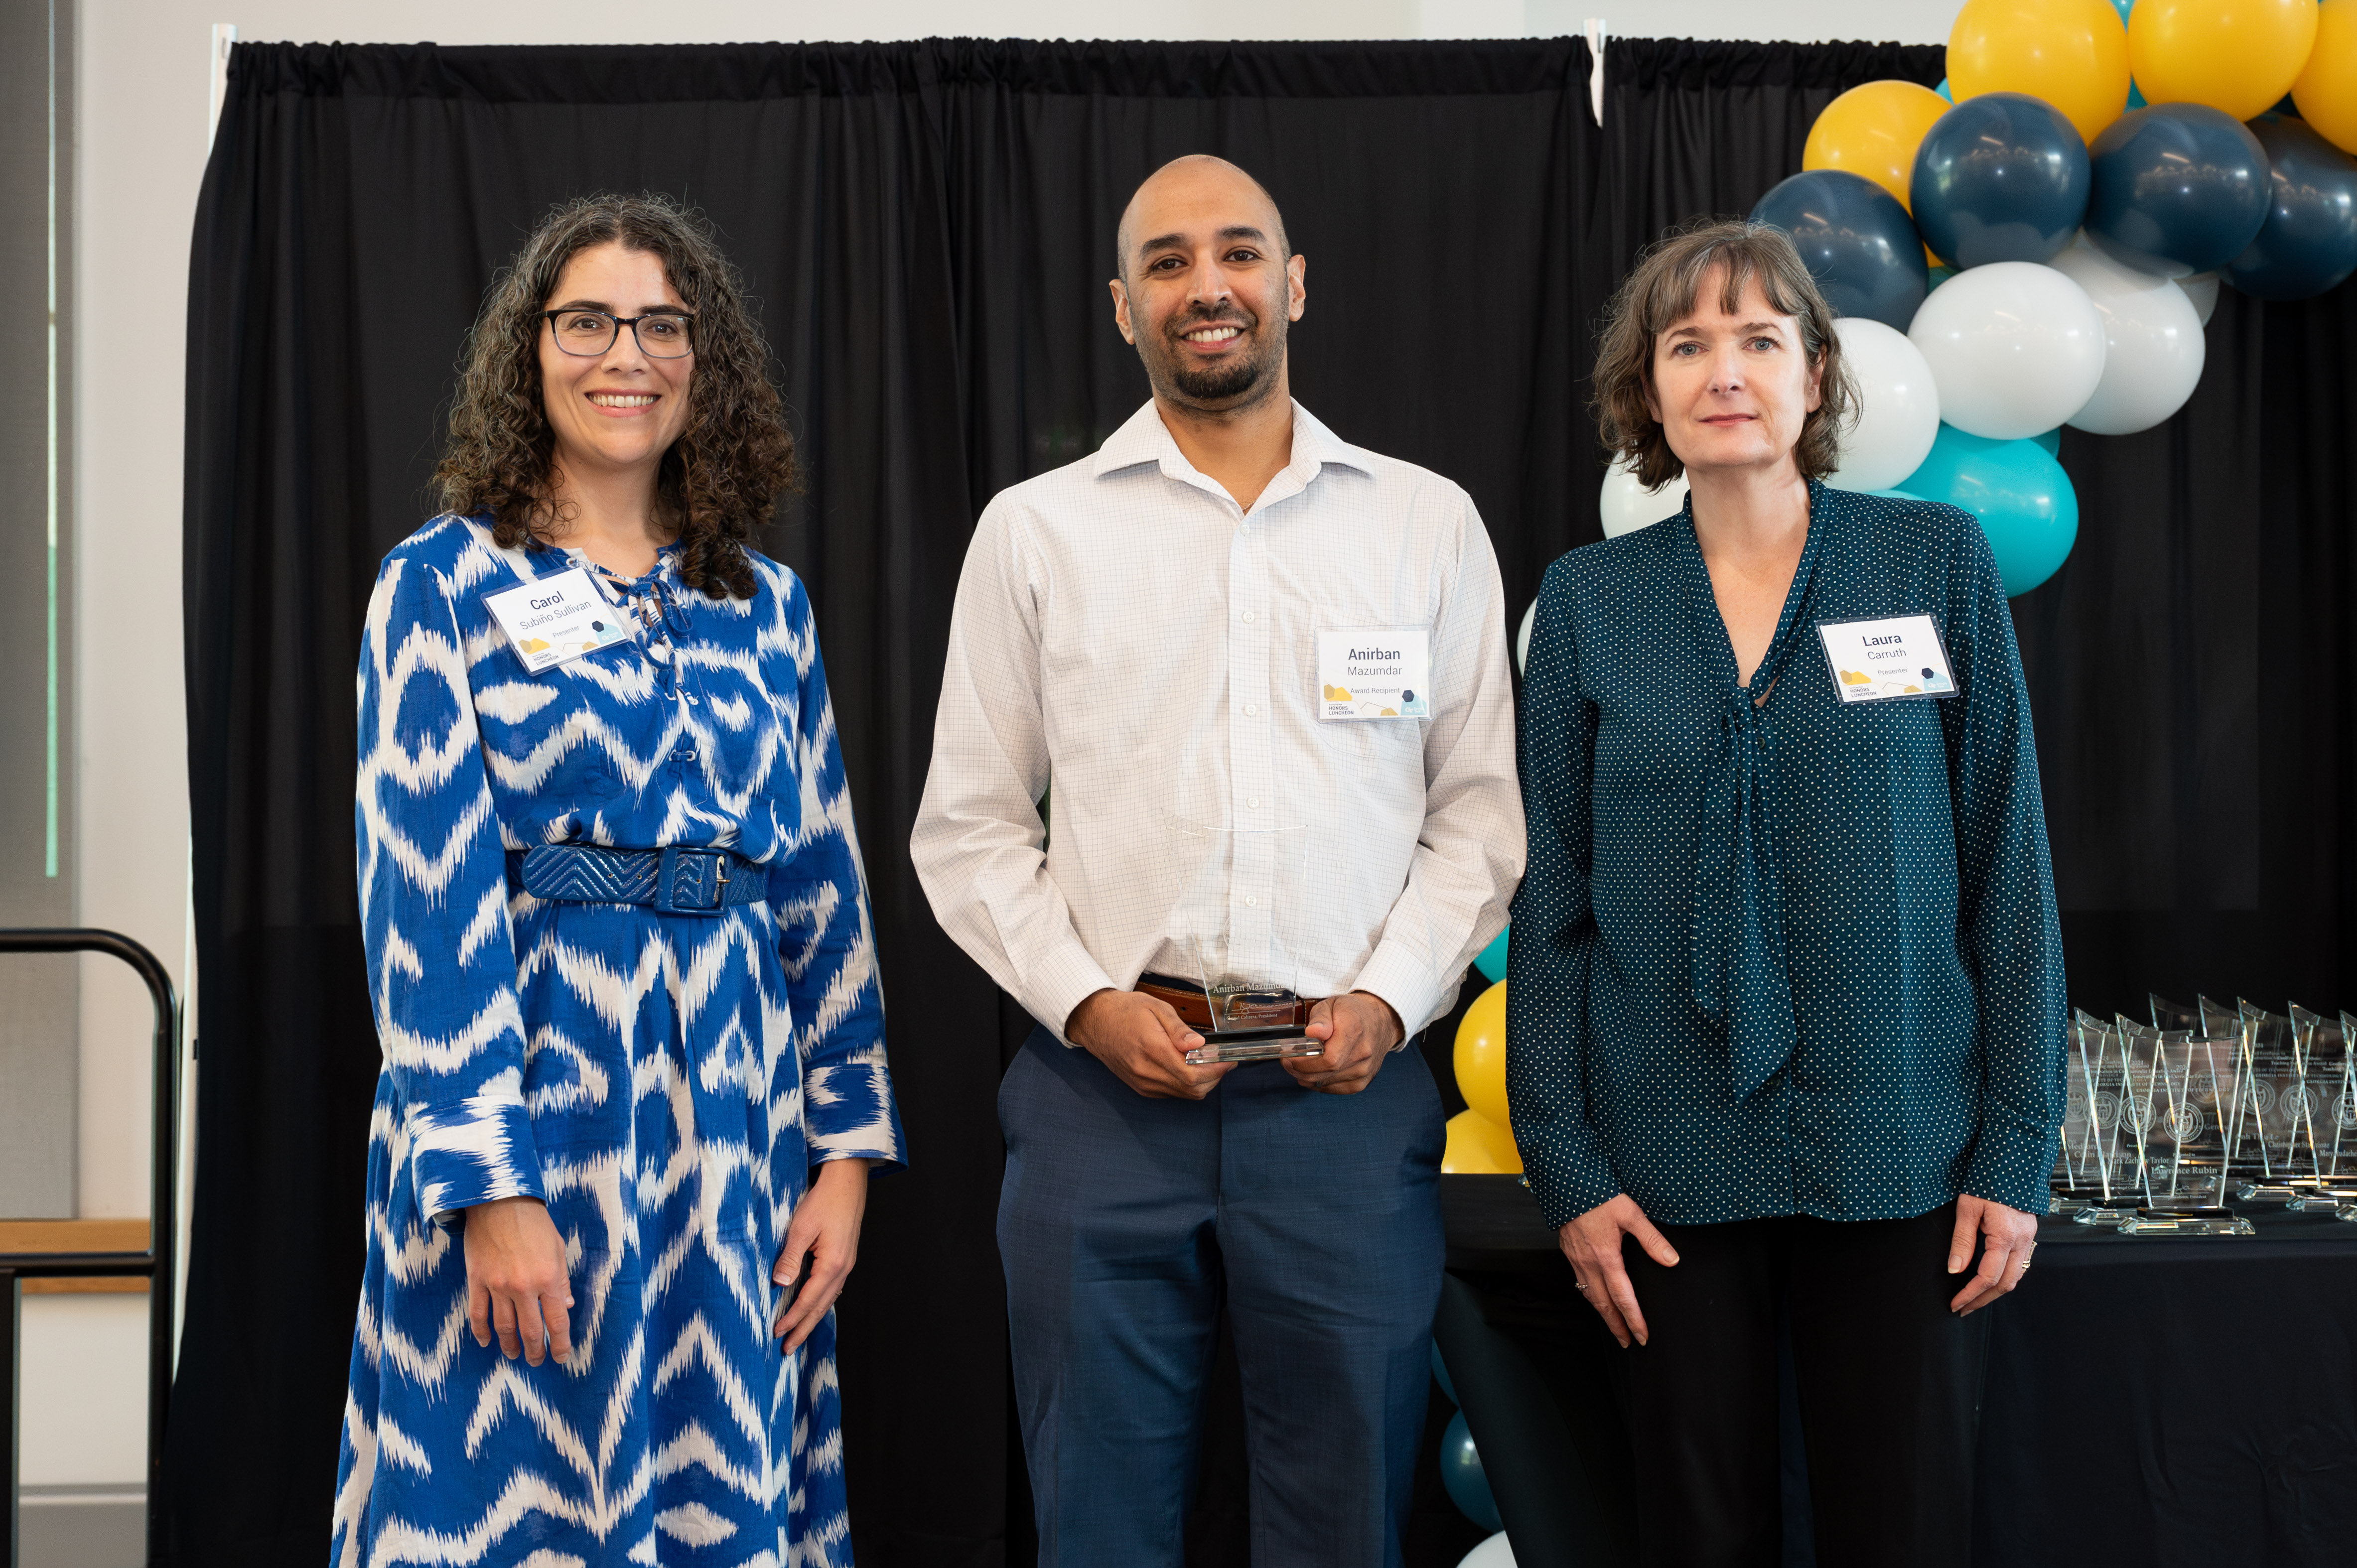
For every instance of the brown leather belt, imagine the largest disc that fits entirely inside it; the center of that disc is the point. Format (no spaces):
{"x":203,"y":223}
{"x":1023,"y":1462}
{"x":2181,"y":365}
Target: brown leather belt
{"x":1238,"y":1010}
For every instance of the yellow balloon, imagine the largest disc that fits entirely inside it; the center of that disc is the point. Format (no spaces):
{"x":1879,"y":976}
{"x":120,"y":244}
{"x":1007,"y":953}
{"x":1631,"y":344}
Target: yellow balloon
{"x":1479,"y":1147}
{"x":2241,"y":55}
{"x":1482,"y":1054}
{"x":1873,"y":131}
{"x":2326,"y":91}
{"x":2071,"y":53}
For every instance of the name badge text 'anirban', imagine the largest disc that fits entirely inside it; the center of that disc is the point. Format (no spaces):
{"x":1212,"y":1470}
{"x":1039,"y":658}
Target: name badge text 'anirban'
{"x":1374,"y":672}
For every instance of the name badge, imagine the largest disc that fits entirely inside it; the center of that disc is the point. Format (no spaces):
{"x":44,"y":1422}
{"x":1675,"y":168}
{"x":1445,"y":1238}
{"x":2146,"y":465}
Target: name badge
{"x":556,"y":618}
{"x":1896,"y":656}
{"x":1374,"y":672}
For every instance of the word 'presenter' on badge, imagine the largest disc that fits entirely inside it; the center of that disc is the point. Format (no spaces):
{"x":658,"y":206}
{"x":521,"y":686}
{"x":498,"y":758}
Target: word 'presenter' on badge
{"x":551,"y":619}
{"x":1374,"y":672}
{"x":1896,"y":656}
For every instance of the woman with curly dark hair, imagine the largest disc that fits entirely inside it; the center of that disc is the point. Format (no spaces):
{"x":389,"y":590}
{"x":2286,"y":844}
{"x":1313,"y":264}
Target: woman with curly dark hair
{"x":619,"y":948}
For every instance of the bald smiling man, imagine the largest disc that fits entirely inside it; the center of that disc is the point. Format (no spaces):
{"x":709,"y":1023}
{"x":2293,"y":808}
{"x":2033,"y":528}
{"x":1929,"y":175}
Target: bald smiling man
{"x":1161,"y":630}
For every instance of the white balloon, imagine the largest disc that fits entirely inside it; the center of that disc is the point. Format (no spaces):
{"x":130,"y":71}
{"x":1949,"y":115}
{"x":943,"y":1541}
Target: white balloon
{"x":1898,"y":406}
{"x":2202,"y":288}
{"x":1494,"y":1552}
{"x":2015,"y":349}
{"x":1628,"y":506}
{"x":2153,"y":346}
{"x":1523,"y":639}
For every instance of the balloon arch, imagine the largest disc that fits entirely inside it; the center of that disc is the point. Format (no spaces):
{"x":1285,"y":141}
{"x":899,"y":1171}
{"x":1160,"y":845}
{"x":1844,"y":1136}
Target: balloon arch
{"x":2038,"y":244}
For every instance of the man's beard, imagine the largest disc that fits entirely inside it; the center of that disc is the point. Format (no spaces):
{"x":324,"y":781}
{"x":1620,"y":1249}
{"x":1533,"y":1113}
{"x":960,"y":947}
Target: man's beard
{"x":1230,"y":384}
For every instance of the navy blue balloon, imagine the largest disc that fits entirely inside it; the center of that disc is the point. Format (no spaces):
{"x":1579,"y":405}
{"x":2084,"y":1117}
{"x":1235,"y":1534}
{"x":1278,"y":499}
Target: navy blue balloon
{"x":2000,"y":178}
{"x":1856,"y":240}
{"x":2308,"y":242}
{"x":2180,"y":188}
{"x":1460,"y":1472}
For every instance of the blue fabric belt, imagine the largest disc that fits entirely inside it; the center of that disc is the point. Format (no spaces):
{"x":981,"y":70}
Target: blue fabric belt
{"x":672,"y":881}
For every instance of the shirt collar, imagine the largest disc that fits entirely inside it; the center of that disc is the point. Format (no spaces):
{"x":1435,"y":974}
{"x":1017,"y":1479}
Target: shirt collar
{"x":1144,"y":439}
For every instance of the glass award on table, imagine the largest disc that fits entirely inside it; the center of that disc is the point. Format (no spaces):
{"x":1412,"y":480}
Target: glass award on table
{"x":2317,"y":1107}
{"x":1239,"y":927}
{"x":2202,"y":1088}
{"x":2100,"y":1192}
{"x":2268,"y":1111}
{"x":2174,"y":1138}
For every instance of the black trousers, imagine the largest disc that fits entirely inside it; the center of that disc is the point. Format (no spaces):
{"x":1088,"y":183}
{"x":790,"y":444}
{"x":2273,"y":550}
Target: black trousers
{"x":1889,"y":1386}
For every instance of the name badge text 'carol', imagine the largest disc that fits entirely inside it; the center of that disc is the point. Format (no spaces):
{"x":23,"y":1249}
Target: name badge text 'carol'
{"x":557,"y":617}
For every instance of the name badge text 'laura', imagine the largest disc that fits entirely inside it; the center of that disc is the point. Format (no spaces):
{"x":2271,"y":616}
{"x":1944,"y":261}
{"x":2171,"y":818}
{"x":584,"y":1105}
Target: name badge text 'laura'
{"x":1892,"y":657}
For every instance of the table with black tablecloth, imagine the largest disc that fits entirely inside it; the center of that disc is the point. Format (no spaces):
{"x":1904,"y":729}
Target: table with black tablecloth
{"x":2154,"y":1401}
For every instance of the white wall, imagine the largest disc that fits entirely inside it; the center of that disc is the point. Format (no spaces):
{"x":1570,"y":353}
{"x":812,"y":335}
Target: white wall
{"x":141,"y":104}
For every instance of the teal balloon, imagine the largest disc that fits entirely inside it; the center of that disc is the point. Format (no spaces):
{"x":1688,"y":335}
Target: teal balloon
{"x":1942,"y":89}
{"x":1939,"y":276}
{"x":2124,"y":7}
{"x":1492,"y":962}
{"x":1440,"y":1374}
{"x":2308,"y":242}
{"x":2022,"y":497}
{"x":1460,"y":1472}
{"x":2051,"y":441}
{"x":2137,"y":100}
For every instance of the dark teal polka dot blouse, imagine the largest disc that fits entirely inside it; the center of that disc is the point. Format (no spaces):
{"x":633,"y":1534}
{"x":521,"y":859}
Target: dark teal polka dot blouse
{"x":1789,"y":957}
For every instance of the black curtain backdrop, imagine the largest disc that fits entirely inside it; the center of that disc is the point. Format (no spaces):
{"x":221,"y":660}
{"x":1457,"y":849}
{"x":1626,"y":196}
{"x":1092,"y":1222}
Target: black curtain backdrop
{"x":927,"y":228}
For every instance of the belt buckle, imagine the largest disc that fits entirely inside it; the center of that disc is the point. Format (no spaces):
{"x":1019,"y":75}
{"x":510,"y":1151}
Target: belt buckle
{"x":710,"y":884}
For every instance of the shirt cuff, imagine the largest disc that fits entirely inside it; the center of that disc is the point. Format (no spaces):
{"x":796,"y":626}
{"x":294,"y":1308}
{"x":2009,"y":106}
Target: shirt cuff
{"x":1568,"y":1176}
{"x":1405,"y":983}
{"x":1068,"y":977}
{"x":2012,"y":1165}
{"x":475,"y":1152}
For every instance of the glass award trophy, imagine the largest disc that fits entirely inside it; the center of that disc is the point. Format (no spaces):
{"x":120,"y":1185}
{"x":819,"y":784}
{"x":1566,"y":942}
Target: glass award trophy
{"x":1239,"y":924}
{"x":2100,"y":1195}
{"x":2204,"y":1088}
{"x":2174,"y":1138}
{"x":2269,"y":1112}
{"x":2317,"y":1099}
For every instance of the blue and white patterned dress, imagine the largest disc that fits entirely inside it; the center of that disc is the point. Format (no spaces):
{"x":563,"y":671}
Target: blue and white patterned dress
{"x":663,"y":1083}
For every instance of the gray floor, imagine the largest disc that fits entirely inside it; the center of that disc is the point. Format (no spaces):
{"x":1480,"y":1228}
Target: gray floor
{"x":81,"y":1527}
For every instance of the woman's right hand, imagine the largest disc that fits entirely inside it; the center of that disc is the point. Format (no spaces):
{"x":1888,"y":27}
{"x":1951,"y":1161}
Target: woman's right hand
{"x":1592,"y":1242}
{"x":517,"y":1281}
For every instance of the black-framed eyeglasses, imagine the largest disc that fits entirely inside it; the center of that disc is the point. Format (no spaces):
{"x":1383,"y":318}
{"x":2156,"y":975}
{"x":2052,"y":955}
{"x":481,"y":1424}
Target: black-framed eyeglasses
{"x":661,"y":334}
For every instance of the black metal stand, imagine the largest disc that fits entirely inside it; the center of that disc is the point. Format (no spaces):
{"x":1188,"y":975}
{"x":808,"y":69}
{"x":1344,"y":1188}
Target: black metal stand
{"x":157,"y":1263}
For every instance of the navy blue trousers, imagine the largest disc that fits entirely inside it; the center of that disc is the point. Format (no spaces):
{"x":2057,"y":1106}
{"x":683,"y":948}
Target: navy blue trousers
{"x":1126,"y":1224}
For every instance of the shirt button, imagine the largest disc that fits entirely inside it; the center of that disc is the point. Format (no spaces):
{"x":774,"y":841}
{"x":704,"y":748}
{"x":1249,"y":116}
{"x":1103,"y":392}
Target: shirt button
{"x":1249,"y":902}
{"x":1252,"y":710}
{"x":1251,"y":804}
{"x":684,"y":754}
{"x":1248,"y":618}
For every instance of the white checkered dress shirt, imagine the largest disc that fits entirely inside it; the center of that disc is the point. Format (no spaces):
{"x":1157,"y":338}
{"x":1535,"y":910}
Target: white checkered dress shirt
{"x":1124,"y":628}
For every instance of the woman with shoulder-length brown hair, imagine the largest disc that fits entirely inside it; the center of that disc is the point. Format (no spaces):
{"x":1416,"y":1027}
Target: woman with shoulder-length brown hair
{"x":618,"y":949}
{"x":1784,"y":1016}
